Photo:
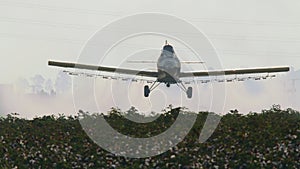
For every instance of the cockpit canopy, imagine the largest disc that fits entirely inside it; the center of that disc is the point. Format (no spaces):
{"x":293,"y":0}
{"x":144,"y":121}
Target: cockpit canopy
{"x":168,"y":48}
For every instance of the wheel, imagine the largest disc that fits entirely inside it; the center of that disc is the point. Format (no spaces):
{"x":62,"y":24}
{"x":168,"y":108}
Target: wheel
{"x":146,"y":91}
{"x":189,"y":92}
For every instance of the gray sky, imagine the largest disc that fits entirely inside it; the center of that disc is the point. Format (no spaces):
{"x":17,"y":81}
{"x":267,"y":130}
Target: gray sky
{"x":245,"y":33}
{"x":249,"y":33}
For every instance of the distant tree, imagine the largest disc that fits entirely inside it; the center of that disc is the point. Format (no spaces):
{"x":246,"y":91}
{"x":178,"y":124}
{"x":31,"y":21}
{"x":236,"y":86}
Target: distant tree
{"x":22,"y":85}
{"x":62,"y":82}
{"x":37,"y":83}
{"x":49,"y":86}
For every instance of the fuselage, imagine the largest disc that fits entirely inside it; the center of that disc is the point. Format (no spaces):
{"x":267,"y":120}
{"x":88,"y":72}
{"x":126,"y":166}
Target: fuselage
{"x":168,"y":66}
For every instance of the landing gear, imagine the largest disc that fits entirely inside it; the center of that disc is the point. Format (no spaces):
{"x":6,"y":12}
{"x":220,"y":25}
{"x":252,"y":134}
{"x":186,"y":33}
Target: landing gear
{"x":189,"y":92}
{"x":146,"y":91}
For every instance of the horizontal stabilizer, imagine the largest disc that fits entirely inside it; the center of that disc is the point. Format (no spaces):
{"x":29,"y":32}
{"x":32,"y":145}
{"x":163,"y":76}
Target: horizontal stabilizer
{"x":151,"y":61}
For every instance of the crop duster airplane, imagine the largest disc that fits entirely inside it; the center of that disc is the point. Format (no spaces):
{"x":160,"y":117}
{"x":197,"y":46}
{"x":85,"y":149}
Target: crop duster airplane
{"x":169,"y":71}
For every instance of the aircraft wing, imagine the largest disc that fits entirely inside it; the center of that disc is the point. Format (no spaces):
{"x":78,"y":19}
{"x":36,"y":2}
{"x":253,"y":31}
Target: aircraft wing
{"x":103,"y":68}
{"x":235,"y":71}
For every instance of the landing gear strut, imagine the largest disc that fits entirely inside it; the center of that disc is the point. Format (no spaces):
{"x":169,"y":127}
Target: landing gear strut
{"x":148,"y":89}
{"x":188,"y":91}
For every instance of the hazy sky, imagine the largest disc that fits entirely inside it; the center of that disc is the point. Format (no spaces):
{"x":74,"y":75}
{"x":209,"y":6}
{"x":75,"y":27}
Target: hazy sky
{"x":249,"y":33}
{"x":245,"y":33}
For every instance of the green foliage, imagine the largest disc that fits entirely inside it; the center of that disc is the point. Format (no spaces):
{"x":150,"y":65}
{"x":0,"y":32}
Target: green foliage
{"x":256,"y":140}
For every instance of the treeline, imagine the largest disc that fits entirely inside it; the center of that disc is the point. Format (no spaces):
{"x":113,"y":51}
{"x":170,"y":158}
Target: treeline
{"x":269,"y":139}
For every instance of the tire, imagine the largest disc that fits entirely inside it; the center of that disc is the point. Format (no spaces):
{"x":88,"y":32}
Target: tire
{"x":189,"y":92}
{"x":146,"y":91}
